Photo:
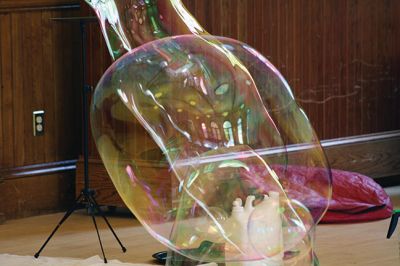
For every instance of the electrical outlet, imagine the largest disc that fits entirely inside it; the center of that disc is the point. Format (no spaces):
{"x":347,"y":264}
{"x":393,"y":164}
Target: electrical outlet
{"x":38,"y":123}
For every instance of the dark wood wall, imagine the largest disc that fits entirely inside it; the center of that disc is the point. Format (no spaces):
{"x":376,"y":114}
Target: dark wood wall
{"x":342,"y":61}
{"x":340,"y":57}
{"x":39,"y":70}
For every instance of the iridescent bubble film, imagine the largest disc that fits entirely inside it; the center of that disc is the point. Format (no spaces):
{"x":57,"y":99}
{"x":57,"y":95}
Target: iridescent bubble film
{"x":215,"y":177}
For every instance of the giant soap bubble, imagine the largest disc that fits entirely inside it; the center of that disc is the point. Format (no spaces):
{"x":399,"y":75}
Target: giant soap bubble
{"x":229,"y":167}
{"x":219,"y":190}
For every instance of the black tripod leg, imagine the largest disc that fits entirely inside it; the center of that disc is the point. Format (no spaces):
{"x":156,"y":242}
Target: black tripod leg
{"x":67,"y":214}
{"x":98,"y":235}
{"x":108,"y":224}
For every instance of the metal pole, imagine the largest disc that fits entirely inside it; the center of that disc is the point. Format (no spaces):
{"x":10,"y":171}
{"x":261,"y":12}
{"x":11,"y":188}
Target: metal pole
{"x":86,"y":90}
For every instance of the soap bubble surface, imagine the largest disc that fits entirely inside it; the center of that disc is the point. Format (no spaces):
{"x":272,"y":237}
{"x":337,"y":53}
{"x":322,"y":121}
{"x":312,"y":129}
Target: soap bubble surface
{"x":211,"y":139}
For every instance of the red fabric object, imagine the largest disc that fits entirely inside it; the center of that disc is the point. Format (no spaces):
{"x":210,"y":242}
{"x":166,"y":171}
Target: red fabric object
{"x":355,"y":197}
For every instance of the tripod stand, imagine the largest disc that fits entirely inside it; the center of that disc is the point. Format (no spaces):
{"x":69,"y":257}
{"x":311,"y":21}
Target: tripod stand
{"x":87,"y":196}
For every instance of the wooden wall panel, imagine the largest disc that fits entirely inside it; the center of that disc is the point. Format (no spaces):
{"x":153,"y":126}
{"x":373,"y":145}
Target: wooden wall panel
{"x":341,"y":58}
{"x":35,"y":195}
{"x":375,"y":155}
{"x":40,"y":70}
{"x":40,"y":67}
{"x":6,"y":106}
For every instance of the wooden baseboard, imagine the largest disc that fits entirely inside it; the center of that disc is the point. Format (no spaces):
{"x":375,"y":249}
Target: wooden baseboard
{"x":375,"y":155}
{"x":36,"y":195}
{"x":29,"y":5}
{"x":99,"y":181}
{"x":36,"y":189}
{"x":2,"y":216}
{"x":105,"y":192}
{"x":37,"y":170}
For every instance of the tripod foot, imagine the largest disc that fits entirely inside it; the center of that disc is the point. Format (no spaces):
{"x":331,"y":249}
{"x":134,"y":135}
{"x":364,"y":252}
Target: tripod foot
{"x":105,"y":260}
{"x":36,"y":255}
{"x":96,"y":206}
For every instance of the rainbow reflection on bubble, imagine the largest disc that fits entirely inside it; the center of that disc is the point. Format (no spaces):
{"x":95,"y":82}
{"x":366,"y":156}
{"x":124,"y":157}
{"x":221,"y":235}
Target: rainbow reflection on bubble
{"x":222,"y":129}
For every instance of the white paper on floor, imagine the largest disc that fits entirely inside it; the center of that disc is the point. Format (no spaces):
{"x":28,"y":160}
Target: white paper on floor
{"x":13,"y":260}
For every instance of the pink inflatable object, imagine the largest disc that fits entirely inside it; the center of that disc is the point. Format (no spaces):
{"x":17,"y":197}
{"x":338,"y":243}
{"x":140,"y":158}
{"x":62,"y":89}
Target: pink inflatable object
{"x":355,"y":197}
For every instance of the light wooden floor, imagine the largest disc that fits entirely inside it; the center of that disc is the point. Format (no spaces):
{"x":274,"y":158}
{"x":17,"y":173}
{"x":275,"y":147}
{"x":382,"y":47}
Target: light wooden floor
{"x":337,"y":245}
